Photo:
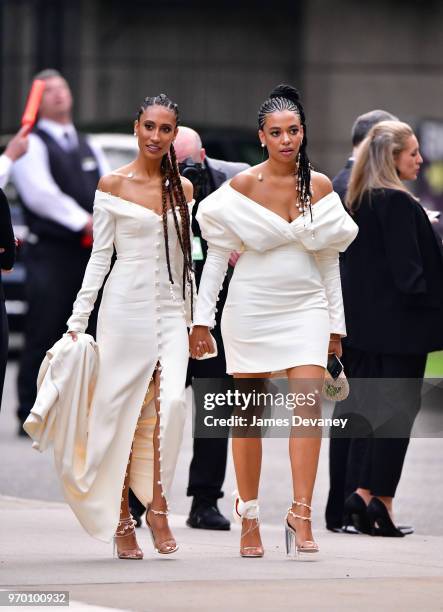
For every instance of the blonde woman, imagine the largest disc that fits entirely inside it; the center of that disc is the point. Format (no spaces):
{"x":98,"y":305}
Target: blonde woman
{"x":393,"y":298}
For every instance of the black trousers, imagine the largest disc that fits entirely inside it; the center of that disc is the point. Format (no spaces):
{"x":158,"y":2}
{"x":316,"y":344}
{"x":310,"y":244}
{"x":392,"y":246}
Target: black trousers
{"x":4,"y":332}
{"x":208,"y":466}
{"x":54,"y":274}
{"x":373,"y":457}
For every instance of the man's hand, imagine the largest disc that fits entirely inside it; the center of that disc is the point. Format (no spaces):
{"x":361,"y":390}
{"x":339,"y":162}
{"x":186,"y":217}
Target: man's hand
{"x":18,"y":145}
{"x":73,"y":335}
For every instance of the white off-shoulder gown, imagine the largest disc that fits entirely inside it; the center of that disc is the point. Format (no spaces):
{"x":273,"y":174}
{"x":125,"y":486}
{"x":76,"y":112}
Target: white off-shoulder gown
{"x":142,"y":321}
{"x":285,"y":296}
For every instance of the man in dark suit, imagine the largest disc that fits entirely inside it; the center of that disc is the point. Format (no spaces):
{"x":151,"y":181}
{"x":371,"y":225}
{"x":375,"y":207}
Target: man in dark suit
{"x":56,"y":180}
{"x":208,"y":465}
{"x":342,"y":474}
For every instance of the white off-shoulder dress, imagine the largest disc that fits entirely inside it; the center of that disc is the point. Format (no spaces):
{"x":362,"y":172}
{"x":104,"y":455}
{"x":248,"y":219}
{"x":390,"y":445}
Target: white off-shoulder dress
{"x":142,"y":322}
{"x":285,"y":296}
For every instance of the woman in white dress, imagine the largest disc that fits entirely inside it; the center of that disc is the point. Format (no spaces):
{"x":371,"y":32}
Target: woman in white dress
{"x":284,"y":308}
{"x":142,"y":211}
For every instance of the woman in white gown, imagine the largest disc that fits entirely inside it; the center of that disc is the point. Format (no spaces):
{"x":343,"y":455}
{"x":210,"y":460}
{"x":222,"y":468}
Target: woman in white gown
{"x":284,"y":308}
{"x":142,"y":211}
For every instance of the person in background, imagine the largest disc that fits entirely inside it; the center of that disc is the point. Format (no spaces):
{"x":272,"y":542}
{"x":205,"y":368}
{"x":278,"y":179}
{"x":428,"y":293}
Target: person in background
{"x":343,"y":476}
{"x":393,"y":300}
{"x":360,"y":130}
{"x":7,"y":258}
{"x":208,"y":465}
{"x":16,"y":147}
{"x":56,"y":180}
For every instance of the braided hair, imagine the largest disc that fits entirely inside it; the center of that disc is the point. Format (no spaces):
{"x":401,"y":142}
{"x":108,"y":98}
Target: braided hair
{"x":172,"y":193}
{"x":286,"y":97}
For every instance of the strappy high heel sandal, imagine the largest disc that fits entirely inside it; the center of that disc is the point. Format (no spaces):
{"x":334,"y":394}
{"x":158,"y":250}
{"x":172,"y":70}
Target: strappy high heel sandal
{"x":125,"y":527}
{"x":166,"y":547}
{"x":292,"y":548}
{"x":247,"y":510}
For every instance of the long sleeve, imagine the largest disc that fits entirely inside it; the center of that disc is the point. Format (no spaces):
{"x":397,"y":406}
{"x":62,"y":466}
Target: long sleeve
{"x":40,"y":192}
{"x":7,"y":241}
{"x":97,"y":268}
{"x":212,"y":278}
{"x":5,"y":169}
{"x":328,"y":265}
{"x":219,"y":231}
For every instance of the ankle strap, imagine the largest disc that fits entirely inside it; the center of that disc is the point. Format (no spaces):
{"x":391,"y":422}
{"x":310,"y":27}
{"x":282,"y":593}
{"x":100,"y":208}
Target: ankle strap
{"x":297,"y":503}
{"x":299,"y":516}
{"x":162,"y":512}
{"x":126,"y":527}
{"x":246,"y":509}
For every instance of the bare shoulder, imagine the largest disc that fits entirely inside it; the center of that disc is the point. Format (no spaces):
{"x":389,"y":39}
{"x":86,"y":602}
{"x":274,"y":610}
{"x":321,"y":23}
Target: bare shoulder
{"x":321,"y":186}
{"x":188,"y":188}
{"x":244,"y":182}
{"x":110,"y":183}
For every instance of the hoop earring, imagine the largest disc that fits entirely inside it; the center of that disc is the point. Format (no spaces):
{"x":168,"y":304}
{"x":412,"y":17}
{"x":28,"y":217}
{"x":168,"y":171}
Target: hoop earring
{"x":260,"y":175}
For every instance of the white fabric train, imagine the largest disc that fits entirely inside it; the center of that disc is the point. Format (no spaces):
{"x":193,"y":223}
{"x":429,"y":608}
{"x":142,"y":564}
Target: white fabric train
{"x":142,"y":321}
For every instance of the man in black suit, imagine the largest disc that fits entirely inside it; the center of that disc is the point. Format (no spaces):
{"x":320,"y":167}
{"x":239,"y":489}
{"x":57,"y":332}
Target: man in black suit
{"x":208,"y":465}
{"x":342,"y":474}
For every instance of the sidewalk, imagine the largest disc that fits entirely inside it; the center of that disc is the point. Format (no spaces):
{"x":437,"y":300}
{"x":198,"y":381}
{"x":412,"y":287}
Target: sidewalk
{"x":43,"y":547}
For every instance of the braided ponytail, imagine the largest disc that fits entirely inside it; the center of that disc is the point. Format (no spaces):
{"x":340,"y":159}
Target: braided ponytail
{"x":285,"y":97}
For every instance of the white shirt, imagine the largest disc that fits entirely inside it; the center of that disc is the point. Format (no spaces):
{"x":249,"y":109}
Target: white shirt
{"x":5,"y":169}
{"x":32,"y":177}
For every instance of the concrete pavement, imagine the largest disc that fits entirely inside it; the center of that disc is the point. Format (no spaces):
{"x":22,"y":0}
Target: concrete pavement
{"x":43,"y":547}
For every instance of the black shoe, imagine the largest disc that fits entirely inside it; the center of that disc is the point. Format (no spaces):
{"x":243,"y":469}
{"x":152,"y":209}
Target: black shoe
{"x":207,"y":516}
{"x":381,"y":522}
{"x":356,"y":515}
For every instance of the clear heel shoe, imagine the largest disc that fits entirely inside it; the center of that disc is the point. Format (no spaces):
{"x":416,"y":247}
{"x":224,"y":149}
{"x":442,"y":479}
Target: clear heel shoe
{"x":125,"y":527}
{"x":166,"y":547}
{"x":306,"y":548}
{"x":247,"y":510}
